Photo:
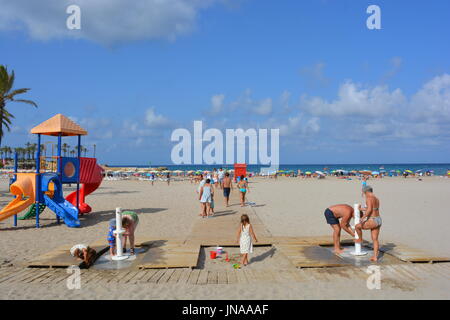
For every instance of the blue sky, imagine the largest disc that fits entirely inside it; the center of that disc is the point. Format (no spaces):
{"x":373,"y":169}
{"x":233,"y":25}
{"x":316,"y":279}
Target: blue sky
{"x":338,"y":92}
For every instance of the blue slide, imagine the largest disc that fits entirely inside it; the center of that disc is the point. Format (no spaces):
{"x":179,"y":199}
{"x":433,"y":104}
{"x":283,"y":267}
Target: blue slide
{"x":63,"y":209}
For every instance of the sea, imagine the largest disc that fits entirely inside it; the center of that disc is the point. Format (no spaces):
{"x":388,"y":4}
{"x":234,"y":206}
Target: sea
{"x":435,"y":168}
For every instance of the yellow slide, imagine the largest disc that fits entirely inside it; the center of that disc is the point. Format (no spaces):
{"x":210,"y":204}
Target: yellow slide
{"x":24,"y":190}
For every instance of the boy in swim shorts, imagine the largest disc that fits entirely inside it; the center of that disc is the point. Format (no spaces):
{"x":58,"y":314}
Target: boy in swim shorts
{"x":226,"y":186}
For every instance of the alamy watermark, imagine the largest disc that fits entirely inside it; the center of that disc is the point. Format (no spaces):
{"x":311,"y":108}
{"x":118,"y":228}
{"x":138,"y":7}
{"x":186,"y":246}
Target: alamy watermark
{"x":374,"y":279}
{"x":237,"y":144}
{"x":373,"y":22}
{"x":73,"y":282}
{"x":73,"y":21}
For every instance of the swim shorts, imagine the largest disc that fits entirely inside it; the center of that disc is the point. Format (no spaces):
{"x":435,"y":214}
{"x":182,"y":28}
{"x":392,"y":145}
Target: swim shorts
{"x":226,"y":192}
{"x":329,"y":216}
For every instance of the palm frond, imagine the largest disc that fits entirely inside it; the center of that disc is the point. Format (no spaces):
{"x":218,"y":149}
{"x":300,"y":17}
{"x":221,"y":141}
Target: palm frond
{"x":10,"y":95}
{"x":10,"y":83}
{"x":26,"y":101}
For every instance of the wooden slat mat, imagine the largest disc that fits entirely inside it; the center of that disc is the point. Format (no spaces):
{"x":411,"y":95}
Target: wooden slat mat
{"x":306,"y":256}
{"x":221,"y":228}
{"x":409,"y":254}
{"x":61,"y":258}
{"x":170,"y":254}
{"x":311,"y":240}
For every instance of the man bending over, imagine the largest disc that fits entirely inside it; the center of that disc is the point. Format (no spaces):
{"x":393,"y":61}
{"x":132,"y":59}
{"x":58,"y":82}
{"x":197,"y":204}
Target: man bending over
{"x":344,"y":212}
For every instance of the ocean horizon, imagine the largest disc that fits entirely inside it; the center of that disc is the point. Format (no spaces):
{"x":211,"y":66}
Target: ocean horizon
{"x":436,"y":168}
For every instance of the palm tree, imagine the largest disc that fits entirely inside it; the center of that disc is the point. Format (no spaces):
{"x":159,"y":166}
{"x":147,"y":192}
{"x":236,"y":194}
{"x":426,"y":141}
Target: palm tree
{"x":84,"y":150}
{"x":65,"y":147}
{"x":8,"y":94}
{"x":33,"y":149}
{"x":9,"y":152}
{"x":28,"y":149}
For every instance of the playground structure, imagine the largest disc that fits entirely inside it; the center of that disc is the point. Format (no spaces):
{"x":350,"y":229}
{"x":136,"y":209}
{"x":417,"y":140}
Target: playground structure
{"x":41,"y":189}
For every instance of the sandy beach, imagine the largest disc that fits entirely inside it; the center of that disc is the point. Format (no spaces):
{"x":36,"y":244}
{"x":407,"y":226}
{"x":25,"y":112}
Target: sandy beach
{"x":413,"y":214}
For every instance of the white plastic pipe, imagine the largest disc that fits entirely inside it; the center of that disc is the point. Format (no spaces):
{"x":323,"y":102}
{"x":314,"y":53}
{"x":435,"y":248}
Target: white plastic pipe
{"x":357,"y":219}
{"x":119,"y":231}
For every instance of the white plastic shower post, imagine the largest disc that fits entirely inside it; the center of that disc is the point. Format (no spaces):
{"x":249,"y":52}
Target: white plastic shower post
{"x":119,"y":231}
{"x":357,"y":219}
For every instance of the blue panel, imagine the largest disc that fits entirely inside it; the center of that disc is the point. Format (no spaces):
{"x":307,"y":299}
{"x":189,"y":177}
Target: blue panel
{"x":70,"y":170}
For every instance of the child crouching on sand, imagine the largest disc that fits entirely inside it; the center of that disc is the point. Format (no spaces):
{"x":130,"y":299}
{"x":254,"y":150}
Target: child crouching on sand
{"x":244,"y":237}
{"x":84,"y":253}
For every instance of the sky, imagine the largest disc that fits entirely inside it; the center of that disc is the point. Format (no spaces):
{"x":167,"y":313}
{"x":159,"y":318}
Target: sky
{"x":137,"y":70}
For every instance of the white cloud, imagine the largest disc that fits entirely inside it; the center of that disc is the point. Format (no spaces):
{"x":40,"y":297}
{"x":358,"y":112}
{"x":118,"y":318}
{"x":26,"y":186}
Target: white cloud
{"x":264,"y":108}
{"x":103,"y":21}
{"x":217,"y":104}
{"x":354,"y":100}
{"x":153,"y":120}
{"x":298,"y":126}
{"x":432,"y":101}
{"x":375,"y":128}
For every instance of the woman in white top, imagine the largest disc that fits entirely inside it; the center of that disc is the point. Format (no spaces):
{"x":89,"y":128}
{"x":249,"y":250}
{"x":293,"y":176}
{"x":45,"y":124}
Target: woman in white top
{"x":205,"y":197}
{"x":244,"y":237}
{"x":199,"y":189}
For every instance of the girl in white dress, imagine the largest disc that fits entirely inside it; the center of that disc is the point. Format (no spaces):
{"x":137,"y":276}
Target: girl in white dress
{"x":244,"y":237}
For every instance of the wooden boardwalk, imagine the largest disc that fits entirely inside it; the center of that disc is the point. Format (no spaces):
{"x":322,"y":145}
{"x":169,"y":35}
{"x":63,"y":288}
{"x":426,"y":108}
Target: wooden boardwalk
{"x":221,"y":229}
{"x":174,"y":260}
{"x":390,"y":274}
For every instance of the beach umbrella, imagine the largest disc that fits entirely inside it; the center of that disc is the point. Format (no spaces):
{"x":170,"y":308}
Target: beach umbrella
{"x":375,"y":173}
{"x":308,"y":172}
{"x":408,"y":171}
{"x":320,"y":173}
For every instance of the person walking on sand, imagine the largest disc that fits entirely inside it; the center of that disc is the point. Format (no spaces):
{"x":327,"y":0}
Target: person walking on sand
{"x":201,"y":183}
{"x":243,"y":188}
{"x":221,"y":176}
{"x":370,"y":220}
{"x":332,"y":215}
{"x":227,"y":186}
{"x":244,"y":238}
{"x":153,"y":178}
{"x":215,"y":178}
{"x":205,"y":197}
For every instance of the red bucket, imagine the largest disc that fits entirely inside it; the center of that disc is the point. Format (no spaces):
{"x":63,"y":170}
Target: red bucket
{"x":212,"y":254}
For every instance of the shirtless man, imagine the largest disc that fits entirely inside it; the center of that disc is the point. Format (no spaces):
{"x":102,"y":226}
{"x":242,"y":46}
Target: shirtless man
{"x":227,"y":186}
{"x":332,"y":215}
{"x":370,"y":220}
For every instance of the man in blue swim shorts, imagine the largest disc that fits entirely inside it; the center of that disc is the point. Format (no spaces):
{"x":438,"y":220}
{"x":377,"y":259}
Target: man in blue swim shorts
{"x":344,"y":212}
